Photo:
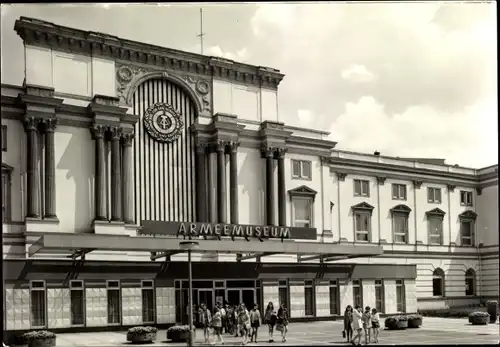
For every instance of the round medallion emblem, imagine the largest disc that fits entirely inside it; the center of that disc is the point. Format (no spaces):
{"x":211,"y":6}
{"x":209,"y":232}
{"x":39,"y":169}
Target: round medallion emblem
{"x":163,"y":123}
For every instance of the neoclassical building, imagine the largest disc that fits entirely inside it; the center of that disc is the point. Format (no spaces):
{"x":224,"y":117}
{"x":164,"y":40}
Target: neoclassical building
{"x":114,"y":151}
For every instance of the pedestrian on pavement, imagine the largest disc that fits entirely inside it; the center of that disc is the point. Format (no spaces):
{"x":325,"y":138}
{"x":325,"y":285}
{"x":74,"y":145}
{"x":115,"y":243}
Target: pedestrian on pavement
{"x":348,"y":323}
{"x":282,"y":321}
{"x":244,"y":323}
{"x":357,"y":325}
{"x":375,"y":324}
{"x":367,"y":324}
{"x":270,"y":317}
{"x":255,"y":322}
{"x":217,"y":324}
{"x":205,"y":320}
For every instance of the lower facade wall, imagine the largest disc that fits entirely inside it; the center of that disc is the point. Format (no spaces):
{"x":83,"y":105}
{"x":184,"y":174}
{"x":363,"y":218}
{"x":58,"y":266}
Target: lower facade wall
{"x":490,"y":277}
{"x":322,"y":300}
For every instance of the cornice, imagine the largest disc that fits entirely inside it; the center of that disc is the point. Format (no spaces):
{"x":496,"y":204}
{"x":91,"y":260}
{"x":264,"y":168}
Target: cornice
{"x":45,"y":34}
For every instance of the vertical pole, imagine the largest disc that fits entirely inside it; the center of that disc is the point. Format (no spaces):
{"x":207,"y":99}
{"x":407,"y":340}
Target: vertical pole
{"x":190,"y":300}
{"x":201,"y":29}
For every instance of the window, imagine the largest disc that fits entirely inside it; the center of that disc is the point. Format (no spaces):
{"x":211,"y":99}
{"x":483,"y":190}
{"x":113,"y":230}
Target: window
{"x":302,"y":212}
{"x":470,"y":282}
{"x":334,"y":298}
{"x":4,"y":138}
{"x":379,"y":296}
{"x":283,"y":293}
{"x":301,"y":169}
{"x":77,"y":302}
{"x":113,"y":290}
{"x":400,"y":214}
{"x":435,"y":226}
{"x":363,"y":221}
{"x":398,"y":192}
{"x":465,"y":198}
{"x":467,"y":232}
{"x":356,"y":293}
{"x":361,"y":188}
{"x":6,"y":174}
{"x":438,"y":282}
{"x":309,"y":298}
{"x":148,"y":302}
{"x":434,"y":195}
{"x":38,"y":301}
{"x":400,"y":296}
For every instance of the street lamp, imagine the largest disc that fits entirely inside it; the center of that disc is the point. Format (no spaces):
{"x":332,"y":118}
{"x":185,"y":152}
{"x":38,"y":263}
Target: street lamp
{"x":189,"y":246}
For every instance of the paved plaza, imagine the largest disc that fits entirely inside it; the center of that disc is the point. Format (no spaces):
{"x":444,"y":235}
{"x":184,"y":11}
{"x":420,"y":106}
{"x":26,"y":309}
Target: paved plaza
{"x":433,"y":331}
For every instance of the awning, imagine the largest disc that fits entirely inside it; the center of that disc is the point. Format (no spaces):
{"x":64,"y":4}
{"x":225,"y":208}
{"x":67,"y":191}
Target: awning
{"x":78,"y":244}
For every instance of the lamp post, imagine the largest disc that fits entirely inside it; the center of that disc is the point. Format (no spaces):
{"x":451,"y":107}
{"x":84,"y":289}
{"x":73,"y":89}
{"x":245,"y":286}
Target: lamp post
{"x":189,"y":246}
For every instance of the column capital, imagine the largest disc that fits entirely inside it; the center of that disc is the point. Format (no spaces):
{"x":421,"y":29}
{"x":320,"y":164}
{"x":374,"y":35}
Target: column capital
{"x":220,"y":145}
{"x":116,"y":132}
{"x":233,"y":146}
{"x":201,"y":147}
{"x":49,"y":124}
{"x":97,"y":130}
{"x":128,"y":139}
{"x":31,"y":123}
{"x":280,"y":153}
{"x":268,"y":152}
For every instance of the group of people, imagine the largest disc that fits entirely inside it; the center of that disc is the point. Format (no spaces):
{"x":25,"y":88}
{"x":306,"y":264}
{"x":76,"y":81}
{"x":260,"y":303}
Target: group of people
{"x":356,"y":322}
{"x":239,"y":321}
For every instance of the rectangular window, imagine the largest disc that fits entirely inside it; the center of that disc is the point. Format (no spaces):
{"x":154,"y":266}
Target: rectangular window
{"x":77,"y":293}
{"x":301,"y":169}
{"x":283,"y":294}
{"x":148,"y":302}
{"x":361,"y":188}
{"x":465,"y":198}
{"x":302,"y":212}
{"x":467,"y":232}
{"x":435,"y":230}
{"x":309,"y":298}
{"x":400,"y":227}
{"x":379,"y":296}
{"x":434,"y":195}
{"x":5,"y":195}
{"x":400,"y":296}
{"x":356,"y":293}
{"x":334,"y":298}
{"x":38,"y":303}
{"x":4,"y":138}
{"x":113,"y":291}
{"x":362,"y":224}
{"x":399,"y":192}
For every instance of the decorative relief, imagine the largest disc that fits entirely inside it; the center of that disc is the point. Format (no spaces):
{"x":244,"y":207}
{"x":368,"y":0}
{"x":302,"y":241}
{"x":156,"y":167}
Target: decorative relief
{"x":201,"y":147}
{"x":220,"y":145}
{"x":233,"y":146}
{"x":97,"y":130}
{"x":49,"y":124}
{"x":280,"y":153}
{"x":116,"y":133}
{"x":129,"y":77}
{"x":479,"y":191}
{"x":163,"y":123}
{"x":341,"y":176}
{"x":417,"y":184}
{"x":128,"y":139}
{"x":451,"y":187}
{"x":268,"y":151}
{"x":31,"y":123}
{"x":381,"y":180}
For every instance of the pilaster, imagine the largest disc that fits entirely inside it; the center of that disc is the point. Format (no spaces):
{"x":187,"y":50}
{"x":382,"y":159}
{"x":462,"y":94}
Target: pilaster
{"x":49,"y":126}
{"x":233,"y":181}
{"x":201,"y":181}
{"x":280,"y":154}
{"x":220,"y":147}
{"x":127,"y":179}
{"x":116,"y":177}
{"x":268,"y":153}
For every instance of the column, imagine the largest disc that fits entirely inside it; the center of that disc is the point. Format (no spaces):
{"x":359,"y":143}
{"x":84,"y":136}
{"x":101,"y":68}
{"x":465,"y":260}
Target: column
{"x":128,"y":184}
{"x":201,"y":182}
{"x":281,"y":187}
{"x":211,"y":183}
{"x":269,"y":154}
{"x":116,"y":179}
{"x":98,"y":132}
{"x":31,"y":128}
{"x":221,"y":181}
{"x":233,"y":182}
{"x":50,"y":169}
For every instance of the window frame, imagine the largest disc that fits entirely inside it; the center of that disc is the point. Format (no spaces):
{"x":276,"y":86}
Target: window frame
{"x":72,"y":289}
{"x":435,"y":214}
{"x":311,"y":210}
{"x":470,"y":275}
{"x":468,"y":217}
{"x":362,"y":209}
{"x":404,"y":212}
{"x":466,"y":193}
{"x":334,"y":284}
{"x":45,"y":313}
{"x":398,"y":187}
{"x":400,"y":284}
{"x":284,"y":284}
{"x":432,"y":191}
{"x":438,"y":273}
{"x":380,"y":284}
{"x":359,"y":285}
{"x":309,"y":284}
{"x":108,"y":289}
{"x":361,"y":182}
{"x":301,"y":175}
{"x":146,"y":286}
{"x":7,"y":192}
{"x":4,"y":138}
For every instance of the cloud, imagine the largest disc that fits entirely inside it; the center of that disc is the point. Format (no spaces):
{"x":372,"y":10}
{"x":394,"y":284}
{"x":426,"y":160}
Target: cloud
{"x":216,"y":51}
{"x":357,"y":74}
{"x":306,"y":117}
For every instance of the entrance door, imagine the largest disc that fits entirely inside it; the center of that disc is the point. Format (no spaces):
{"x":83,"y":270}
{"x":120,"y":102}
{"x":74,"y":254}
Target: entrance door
{"x":248,"y":298}
{"x":233,"y":296}
{"x":205,"y":296}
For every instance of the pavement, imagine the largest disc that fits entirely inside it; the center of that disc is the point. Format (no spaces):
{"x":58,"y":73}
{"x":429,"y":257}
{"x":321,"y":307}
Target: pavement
{"x":433,"y":331}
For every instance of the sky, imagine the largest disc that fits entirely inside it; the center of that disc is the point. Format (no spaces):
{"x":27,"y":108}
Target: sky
{"x":404,"y":79}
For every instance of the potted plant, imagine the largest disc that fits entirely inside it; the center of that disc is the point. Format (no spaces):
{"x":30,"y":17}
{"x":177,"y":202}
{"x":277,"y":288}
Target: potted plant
{"x":414,"y":321}
{"x":178,"y":333}
{"x":40,"y":338}
{"x":141,"y":334}
{"x":492,"y":309}
{"x":396,"y":322}
{"x":17,"y":341}
{"x":479,"y":318}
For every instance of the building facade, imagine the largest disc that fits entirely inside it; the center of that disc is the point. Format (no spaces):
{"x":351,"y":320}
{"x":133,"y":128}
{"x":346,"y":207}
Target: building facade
{"x":109,"y":139}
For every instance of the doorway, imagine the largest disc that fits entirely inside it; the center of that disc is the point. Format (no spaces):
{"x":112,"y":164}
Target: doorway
{"x":237,"y":296}
{"x":206,"y":296}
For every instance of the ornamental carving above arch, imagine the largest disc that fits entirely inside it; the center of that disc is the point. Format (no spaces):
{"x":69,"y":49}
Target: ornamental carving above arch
{"x":129,"y":77}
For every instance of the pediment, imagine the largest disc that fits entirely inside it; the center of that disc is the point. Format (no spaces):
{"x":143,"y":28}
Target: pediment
{"x":7,"y":168}
{"x":401,"y":209}
{"x":363,"y":206}
{"x":303,"y":191}
{"x":468,"y":214}
{"x":436,"y":212}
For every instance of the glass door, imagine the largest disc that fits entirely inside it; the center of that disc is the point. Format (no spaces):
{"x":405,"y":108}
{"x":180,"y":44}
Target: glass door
{"x":206,"y":296}
{"x":248,"y":298}
{"x":233,"y":296}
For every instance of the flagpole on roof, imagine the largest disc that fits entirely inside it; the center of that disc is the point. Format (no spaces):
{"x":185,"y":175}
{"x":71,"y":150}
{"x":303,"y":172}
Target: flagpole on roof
{"x":201,"y":30}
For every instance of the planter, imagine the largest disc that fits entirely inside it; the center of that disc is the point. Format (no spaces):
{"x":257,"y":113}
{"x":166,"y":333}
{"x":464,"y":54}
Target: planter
{"x":479,"y":320}
{"x":402,"y":324}
{"x":39,"y":338}
{"x":492,"y":309}
{"x":180,"y":333}
{"x":42,"y":342}
{"x":141,"y":337}
{"x":415,"y":322}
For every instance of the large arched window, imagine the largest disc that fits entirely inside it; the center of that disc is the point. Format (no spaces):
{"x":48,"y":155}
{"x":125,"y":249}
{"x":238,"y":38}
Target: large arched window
{"x":438,"y":282}
{"x":470,"y":282}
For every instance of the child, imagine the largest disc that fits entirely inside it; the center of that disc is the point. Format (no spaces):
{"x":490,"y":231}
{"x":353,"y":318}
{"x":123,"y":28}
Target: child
{"x":375,"y":324}
{"x":366,"y":318}
{"x":254,"y":322}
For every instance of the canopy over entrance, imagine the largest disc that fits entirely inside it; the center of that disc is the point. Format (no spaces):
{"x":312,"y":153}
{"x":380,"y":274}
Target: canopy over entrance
{"x":74,"y":245}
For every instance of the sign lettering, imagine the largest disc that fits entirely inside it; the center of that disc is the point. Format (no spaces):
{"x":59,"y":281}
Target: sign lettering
{"x":230,"y":230}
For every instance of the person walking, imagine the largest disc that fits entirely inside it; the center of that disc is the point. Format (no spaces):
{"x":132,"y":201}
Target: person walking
{"x":255,"y":323}
{"x":357,"y":325}
{"x":205,"y":320}
{"x":282,"y":322}
{"x":244,"y":323}
{"x":270,"y":318}
{"x":217,"y":324}
{"x":348,"y":323}
{"x":375,"y":324}
{"x":367,"y":324}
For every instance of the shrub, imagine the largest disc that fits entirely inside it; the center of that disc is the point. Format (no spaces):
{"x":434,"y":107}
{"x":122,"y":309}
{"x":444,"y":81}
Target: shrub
{"x":414,"y":321}
{"x":142,"y":330}
{"x":396,"y":322}
{"x":479,"y":318}
{"x":39,"y":334}
{"x":479,"y":314}
{"x":178,"y":333}
{"x":180,"y":328}
{"x":450,"y":312}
